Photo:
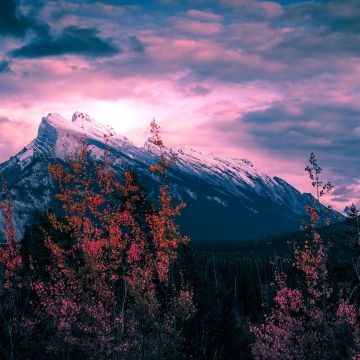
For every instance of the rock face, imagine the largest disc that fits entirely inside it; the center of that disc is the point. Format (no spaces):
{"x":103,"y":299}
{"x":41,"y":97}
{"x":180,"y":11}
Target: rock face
{"x":227,"y":198}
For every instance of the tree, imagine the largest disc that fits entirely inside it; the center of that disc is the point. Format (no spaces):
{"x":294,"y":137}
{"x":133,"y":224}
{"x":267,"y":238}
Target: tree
{"x":353,"y":221}
{"x":111,"y":288}
{"x":309,"y":321}
{"x":14,"y":285}
{"x":314,"y":171}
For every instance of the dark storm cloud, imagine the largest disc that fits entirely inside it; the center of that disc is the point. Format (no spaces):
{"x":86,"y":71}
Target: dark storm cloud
{"x":73,"y":40}
{"x":14,"y":23}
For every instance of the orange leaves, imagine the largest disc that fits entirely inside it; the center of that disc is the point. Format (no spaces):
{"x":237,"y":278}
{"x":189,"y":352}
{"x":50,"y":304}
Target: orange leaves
{"x":166,"y":159}
{"x":133,"y":254}
{"x":96,"y":201}
{"x":158,"y":142}
{"x":8,"y":210}
{"x":11,"y":262}
{"x":57,"y":252}
{"x":56,"y":171}
{"x":115,"y":237}
{"x":154,"y":168}
{"x":311,"y":259}
{"x":114,"y":277}
{"x":116,"y":258}
{"x":302,"y":323}
{"x":93,"y":249}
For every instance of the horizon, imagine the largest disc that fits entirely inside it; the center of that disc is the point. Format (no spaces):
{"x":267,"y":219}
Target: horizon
{"x":270,"y":81}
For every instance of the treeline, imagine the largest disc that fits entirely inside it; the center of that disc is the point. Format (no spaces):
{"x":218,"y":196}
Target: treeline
{"x":234,"y":286}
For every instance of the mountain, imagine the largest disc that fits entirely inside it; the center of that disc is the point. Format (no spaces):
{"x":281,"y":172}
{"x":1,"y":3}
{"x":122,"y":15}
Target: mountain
{"x":227,"y":198}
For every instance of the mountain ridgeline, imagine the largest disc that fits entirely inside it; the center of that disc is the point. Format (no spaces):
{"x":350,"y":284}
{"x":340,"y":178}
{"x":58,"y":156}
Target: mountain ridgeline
{"x":227,"y":198}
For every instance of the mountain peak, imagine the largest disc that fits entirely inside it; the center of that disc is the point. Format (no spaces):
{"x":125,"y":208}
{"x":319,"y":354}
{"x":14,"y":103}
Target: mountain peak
{"x":55,"y":120}
{"x":80,"y":123}
{"x":81,"y":117}
{"x":56,"y":130}
{"x":50,"y":125}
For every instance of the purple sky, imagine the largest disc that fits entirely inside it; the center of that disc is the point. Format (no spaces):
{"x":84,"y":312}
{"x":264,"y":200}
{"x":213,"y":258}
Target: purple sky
{"x":269,"y":81}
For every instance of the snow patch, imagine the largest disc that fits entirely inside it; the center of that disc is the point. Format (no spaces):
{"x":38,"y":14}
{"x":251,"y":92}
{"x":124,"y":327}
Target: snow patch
{"x":253,"y":210}
{"x":28,"y":153}
{"x":191,"y":193}
{"x":218,"y":200}
{"x":25,"y":157}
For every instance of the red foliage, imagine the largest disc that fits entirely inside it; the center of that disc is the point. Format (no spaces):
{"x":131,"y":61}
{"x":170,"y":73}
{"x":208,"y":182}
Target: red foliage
{"x":12,"y":282}
{"x":303,"y":323}
{"x":110,"y":293}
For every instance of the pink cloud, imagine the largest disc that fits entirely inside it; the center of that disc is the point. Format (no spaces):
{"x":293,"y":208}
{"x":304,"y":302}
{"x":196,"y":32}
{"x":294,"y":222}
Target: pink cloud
{"x":267,"y":8}
{"x":270,"y":8}
{"x":223,"y":61}
{"x":197,"y":27}
{"x":14,"y":141}
{"x":204,"y":15}
{"x":255,"y":35}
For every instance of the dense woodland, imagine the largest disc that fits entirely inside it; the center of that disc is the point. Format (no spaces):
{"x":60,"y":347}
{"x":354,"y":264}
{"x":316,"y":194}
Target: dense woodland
{"x":108,"y":275}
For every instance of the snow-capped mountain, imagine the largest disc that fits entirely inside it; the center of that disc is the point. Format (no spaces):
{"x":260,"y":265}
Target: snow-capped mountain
{"x":227,"y":198}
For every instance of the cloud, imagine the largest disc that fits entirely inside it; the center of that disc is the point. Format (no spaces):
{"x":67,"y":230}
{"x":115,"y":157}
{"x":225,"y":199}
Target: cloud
{"x":197,"y":27}
{"x":199,"y":90}
{"x":254,"y":9}
{"x":194,"y":90}
{"x":4,"y":66}
{"x":341,"y":190}
{"x":136,"y":45}
{"x":334,"y":15}
{"x":293,"y":130}
{"x":204,"y":15}
{"x":4,"y":120}
{"x":14,"y":141}
{"x":59,"y":9}
{"x":14,"y":23}
{"x":73,"y":40}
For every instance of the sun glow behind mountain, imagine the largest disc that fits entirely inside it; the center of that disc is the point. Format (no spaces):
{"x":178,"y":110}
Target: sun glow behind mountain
{"x":123,"y":116}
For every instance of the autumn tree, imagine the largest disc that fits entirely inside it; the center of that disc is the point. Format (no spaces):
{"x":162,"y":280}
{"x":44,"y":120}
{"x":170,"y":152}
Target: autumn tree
{"x":314,"y":171}
{"x":14,"y":284}
{"x":309,"y":321}
{"x":111,"y":288}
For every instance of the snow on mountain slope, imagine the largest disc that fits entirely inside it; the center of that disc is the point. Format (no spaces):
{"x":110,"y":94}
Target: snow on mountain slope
{"x":226,"y":196}
{"x":237,"y":177}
